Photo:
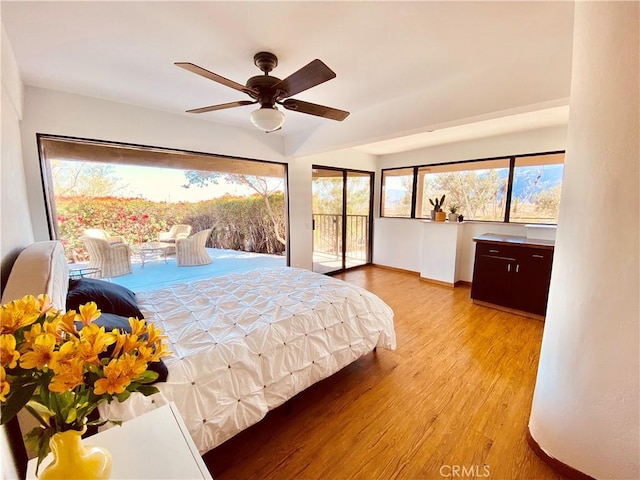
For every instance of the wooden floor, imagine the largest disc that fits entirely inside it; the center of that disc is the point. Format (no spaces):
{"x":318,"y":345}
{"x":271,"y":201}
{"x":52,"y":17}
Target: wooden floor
{"x":453,"y":398}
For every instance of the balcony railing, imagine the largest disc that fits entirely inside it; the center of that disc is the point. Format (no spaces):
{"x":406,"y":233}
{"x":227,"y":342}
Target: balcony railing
{"x":327,"y":235}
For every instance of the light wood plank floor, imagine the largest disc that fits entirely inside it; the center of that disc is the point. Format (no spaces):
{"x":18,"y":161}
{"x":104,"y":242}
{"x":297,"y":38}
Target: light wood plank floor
{"x":456,"y":392}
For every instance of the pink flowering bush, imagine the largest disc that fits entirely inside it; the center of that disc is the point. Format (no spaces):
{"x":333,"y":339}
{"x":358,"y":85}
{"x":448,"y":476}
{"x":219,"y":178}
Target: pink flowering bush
{"x":239,"y":223}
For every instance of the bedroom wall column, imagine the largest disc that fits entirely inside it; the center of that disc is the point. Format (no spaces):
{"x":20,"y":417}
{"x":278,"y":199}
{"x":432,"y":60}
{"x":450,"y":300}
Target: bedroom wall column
{"x":585,"y":409}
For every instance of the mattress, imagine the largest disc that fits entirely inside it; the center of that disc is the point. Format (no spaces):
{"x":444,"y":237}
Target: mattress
{"x":245,"y":343}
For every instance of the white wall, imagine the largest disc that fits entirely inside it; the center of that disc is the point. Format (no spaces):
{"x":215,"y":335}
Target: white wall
{"x":397,"y":241}
{"x":586,"y":405}
{"x":16,"y":232}
{"x":52,"y":112}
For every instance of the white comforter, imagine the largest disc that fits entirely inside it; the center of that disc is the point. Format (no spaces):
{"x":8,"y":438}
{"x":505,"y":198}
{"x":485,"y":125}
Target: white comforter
{"x":245,"y":343}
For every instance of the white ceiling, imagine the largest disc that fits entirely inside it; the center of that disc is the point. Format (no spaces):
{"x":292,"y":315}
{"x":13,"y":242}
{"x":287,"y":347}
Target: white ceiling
{"x":403,"y":69}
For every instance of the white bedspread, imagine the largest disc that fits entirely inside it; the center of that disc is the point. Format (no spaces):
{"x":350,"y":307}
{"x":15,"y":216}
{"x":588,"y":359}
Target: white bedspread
{"x":245,"y":343}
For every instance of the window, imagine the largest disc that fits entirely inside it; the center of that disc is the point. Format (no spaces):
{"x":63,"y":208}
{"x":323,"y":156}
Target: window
{"x":522,"y":189}
{"x":137,"y":192}
{"x":477,"y":189}
{"x":537,"y":181}
{"x":397,"y":188}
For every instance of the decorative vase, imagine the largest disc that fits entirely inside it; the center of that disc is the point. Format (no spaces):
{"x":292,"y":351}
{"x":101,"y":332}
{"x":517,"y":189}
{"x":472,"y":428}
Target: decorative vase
{"x":453,"y":217}
{"x":441,"y":216}
{"x":71,"y":459}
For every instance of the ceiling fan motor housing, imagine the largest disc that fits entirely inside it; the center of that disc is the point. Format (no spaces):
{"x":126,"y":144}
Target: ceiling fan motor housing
{"x":266,"y":95}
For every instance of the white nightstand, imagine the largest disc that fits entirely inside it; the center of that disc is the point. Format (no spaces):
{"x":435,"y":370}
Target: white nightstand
{"x":155,"y":445}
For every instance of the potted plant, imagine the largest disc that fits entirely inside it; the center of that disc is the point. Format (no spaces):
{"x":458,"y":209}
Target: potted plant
{"x":437,"y":214}
{"x":60,"y":366}
{"x":453,"y":213}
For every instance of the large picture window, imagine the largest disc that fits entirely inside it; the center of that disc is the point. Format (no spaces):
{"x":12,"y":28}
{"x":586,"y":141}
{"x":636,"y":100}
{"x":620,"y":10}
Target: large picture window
{"x":521,"y":189}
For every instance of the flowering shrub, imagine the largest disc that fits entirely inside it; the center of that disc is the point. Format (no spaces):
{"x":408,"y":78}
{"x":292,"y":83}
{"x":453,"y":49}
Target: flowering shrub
{"x":239,"y":223}
{"x":61,"y":366}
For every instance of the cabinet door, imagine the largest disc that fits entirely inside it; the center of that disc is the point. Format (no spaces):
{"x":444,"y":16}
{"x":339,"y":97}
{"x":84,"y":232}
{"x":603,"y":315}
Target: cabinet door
{"x":532,"y":275}
{"x":492,"y":279}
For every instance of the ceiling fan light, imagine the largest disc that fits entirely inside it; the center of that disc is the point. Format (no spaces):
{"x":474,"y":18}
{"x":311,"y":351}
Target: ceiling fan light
{"x":267,"y":119}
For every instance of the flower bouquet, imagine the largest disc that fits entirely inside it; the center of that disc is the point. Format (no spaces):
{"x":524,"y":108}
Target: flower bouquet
{"x":61,"y":365}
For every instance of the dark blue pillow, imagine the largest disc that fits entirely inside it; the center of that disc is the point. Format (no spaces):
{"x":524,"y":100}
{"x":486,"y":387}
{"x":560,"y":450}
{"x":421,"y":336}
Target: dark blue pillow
{"x":109,"y":297}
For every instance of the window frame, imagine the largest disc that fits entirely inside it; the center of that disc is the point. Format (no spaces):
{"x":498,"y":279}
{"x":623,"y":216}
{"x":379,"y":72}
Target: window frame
{"x":47,"y":179}
{"x":509,"y":193}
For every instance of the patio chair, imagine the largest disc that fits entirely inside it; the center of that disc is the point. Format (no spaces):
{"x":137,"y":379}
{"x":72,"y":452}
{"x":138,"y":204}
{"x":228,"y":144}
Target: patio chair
{"x":191,"y":251}
{"x":104,"y":235}
{"x":112,"y":259}
{"x":176,"y":232}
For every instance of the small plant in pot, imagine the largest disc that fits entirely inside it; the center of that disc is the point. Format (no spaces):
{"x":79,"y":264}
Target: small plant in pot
{"x":437,"y":214}
{"x":453,"y":213}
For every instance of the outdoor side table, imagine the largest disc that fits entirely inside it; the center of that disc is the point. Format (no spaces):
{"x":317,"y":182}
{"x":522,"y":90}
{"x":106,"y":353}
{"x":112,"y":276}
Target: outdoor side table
{"x":150,"y":250}
{"x":91,"y":272}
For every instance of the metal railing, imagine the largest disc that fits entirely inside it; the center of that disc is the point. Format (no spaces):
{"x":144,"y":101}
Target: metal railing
{"x":327,"y":235}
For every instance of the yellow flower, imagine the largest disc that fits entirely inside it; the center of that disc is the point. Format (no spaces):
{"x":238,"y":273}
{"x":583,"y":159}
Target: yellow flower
{"x":68,"y":376}
{"x":42,"y":355}
{"x":114,"y":381}
{"x":88,"y":313}
{"x":132,"y":366}
{"x":8,"y":355}
{"x":67,"y":322}
{"x":4,"y":385}
{"x":18,"y":313}
{"x":69,"y":351}
{"x":93,"y":341}
{"x":44,"y":304}
{"x":138,"y":327}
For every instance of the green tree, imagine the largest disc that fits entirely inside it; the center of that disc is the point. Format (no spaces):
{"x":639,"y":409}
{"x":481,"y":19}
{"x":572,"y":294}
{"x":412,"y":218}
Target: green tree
{"x":265,"y":187}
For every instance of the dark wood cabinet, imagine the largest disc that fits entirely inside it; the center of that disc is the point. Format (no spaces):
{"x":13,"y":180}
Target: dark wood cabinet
{"x":512,"y":272}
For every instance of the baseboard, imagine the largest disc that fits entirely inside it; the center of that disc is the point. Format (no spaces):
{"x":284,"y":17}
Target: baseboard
{"x":554,"y":463}
{"x":395,"y":269}
{"x":509,"y":310}
{"x":437,"y":282}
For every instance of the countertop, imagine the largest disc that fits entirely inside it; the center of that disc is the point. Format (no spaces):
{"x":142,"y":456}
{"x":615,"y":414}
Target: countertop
{"x":514,"y":240}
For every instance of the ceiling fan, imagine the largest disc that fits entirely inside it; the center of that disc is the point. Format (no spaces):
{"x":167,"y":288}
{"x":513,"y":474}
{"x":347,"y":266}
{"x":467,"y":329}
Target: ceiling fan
{"x":269,"y":91}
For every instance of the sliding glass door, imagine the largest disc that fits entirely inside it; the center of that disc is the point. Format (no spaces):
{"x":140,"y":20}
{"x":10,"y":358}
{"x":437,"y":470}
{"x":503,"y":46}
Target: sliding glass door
{"x":342,"y":207}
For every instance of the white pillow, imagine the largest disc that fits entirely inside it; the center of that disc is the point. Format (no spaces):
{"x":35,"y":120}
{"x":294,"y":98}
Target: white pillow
{"x":40,"y":268}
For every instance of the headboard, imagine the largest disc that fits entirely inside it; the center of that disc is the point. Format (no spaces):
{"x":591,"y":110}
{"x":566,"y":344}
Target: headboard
{"x":40,"y":268}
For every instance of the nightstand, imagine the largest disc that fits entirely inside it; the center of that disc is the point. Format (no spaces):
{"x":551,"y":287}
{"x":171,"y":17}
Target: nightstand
{"x":155,"y":445}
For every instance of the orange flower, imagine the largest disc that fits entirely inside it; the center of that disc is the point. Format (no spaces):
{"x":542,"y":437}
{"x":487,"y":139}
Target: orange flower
{"x":69,"y":351}
{"x":8,"y":355}
{"x":114,"y":381}
{"x":42,"y":355}
{"x":4,"y":385}
{"x":88,"y":313}
{"x":18,"y":314}
{"x":68,"y":376}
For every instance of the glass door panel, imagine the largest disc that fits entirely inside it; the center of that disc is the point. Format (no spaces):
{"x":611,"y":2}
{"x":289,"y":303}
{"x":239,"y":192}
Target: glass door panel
{"x":357,"y":228}
{"x":328,"y":207}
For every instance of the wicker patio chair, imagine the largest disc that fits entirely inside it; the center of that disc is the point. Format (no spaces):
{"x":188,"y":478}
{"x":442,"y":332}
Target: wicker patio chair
{"x":176,"y":232}
{"x":112,"y":259}
{"x":191,"y":251}
{"x":104,"y":235}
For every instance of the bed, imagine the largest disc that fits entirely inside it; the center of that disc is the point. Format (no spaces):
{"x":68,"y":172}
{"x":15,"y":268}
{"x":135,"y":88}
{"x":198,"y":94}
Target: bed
{"x":244,"y":344}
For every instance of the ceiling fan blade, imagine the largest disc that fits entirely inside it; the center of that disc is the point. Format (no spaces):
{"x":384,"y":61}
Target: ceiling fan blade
{"x":315,"y":109}
{"x":214,"y":76}
{"x":222,"y":106}
{"x":308,"y":76}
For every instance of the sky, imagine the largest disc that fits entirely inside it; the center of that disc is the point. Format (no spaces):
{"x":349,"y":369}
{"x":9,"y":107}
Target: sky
{"x":166,"y":185}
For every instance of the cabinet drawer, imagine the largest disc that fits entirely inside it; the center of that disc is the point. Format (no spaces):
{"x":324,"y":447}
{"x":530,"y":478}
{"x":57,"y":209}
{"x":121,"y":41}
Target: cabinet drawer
{"x":496,"y":250}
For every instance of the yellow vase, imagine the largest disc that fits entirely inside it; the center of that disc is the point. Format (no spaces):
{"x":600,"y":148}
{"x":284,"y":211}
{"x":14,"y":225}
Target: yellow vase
{"x":73,"y":460}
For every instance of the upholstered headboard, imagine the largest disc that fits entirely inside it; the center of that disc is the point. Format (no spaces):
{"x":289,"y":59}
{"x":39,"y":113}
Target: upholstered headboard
{"x":40,"y":268}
